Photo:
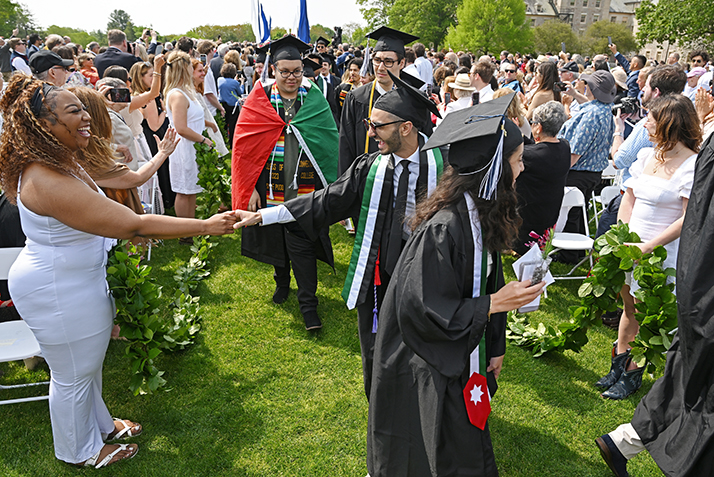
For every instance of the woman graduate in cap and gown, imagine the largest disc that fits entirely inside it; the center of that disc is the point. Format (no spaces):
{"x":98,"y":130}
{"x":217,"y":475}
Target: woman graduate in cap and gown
{"x":441,"y":337}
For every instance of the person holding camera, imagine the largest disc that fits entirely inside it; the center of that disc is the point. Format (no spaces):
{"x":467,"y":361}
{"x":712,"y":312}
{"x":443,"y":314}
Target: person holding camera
{"x":590,"y":136}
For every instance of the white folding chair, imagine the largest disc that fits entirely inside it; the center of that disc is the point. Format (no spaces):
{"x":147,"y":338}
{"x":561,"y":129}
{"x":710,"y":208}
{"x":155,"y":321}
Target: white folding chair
{"x":606,"y":195}
{"x":16,"y":340}
{"x":569,"y":240}
{"x":610,"y":173}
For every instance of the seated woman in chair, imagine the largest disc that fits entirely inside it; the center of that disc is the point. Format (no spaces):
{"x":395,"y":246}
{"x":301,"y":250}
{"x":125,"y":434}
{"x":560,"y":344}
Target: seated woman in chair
{"x":540,"y":186}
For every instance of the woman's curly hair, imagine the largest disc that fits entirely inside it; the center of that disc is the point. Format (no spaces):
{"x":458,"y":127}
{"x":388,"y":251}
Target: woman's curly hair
{"x":499,"y":218}
{"x":25,"y":138}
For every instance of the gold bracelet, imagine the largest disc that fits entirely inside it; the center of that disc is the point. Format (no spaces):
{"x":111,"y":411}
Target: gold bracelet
{"x":490,"y":305}
{"x":156,"y":74}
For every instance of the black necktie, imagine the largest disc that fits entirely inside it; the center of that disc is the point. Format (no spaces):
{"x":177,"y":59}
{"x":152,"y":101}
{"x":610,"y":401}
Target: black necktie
{"x":400,"y":207}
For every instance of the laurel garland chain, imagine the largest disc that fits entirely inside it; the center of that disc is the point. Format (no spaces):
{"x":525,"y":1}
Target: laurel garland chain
{"x":139,"y":302}
{"x":656,"y":310}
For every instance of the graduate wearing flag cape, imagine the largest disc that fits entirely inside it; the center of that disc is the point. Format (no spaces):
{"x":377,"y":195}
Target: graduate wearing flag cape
{"x":441,"y":336}
{"x":285,"y":146}
{"x":370,"y":190}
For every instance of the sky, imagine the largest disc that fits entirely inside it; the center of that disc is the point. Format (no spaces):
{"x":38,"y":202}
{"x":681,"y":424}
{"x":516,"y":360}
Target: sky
{"x":179,"y":16}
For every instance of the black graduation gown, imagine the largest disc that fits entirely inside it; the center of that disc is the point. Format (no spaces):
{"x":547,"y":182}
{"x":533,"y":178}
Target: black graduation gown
{"x":332,"y":101}
{"x":429,"y":324}
{"x":353,"y":134}
{"x":267,"y":244}
{"x":674,"y":420}
{"x":341,"y":200}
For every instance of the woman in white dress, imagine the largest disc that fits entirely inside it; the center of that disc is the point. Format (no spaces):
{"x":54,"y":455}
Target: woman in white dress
{"x":186,"y":116}
{"x":58,"y":282}
{"x":654,"y":206}
{"x":199,"y":75}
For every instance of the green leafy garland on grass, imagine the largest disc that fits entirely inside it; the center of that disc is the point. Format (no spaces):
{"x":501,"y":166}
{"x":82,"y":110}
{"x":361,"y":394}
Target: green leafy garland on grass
{"x":214,"y":176}
{"x":139,"y":304}
{"x":656,"y":312}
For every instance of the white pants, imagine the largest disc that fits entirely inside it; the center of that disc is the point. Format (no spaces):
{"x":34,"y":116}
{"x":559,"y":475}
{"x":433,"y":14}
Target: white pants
{"x":627,"y":441}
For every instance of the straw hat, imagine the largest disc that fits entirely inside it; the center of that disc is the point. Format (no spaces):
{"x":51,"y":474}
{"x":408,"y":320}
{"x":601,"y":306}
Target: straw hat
{"x":462,"y":82}
{"x":620,"y":77}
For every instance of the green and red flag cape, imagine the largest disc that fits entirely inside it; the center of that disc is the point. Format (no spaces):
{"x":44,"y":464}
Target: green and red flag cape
{"x":258,"y":129}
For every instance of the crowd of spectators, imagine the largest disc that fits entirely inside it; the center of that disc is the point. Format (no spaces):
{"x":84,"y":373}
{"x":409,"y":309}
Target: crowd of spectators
{"x":578,"y":114}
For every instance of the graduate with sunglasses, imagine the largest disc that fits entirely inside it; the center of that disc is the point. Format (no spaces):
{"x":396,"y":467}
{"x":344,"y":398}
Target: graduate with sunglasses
{"x":285,"y":146}
{"x":380,"y":189}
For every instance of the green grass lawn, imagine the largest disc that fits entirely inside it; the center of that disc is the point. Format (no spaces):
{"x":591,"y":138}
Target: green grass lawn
{"x":259,"y":396}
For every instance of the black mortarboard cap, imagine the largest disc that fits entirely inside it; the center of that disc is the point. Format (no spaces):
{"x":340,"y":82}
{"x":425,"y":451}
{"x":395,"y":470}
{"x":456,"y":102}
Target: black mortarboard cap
{"x":261,"y":53}
{"x":288,"y":47}
{"x":322,"y":40}
{"x":474,"y":135}
{"x":310,"y":65}
{"x":326,"y":57}
{"x":389,"y":39}
{"x":411,"y":79}
{"x":407,"y":103}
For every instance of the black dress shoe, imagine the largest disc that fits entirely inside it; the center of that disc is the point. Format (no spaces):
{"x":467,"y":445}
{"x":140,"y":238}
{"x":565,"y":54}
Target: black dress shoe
{"x":312,"y":321}
{"x":612,"y":456}
{"x":281,"y":295}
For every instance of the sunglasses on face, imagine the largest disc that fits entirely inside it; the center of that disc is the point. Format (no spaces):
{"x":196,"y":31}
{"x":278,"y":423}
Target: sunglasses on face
{"x":509,"y":71}
{"x":374,"y":126}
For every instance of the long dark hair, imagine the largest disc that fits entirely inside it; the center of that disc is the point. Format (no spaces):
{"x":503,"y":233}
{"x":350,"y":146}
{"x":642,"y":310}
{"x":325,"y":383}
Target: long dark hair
{"x":499,"y":219}
{"x":548,"y":77}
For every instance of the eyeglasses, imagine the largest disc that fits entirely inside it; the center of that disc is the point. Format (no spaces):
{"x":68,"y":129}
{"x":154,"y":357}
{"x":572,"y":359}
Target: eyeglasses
{"x":288,"y":74}
{"x":388,"y":62}
{"x":374,"y":126}
{"x":509,"y":71}
{"x":698,"y":61}
{"x":62,"y":67}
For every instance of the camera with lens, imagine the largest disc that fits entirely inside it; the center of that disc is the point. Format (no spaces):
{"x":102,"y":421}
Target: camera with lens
{"x":626,"y":105}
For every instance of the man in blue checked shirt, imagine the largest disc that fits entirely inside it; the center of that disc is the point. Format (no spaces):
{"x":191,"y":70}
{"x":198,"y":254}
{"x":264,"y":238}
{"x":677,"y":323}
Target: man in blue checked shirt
{"x":589,"y":133}
{"x":665,"y":79}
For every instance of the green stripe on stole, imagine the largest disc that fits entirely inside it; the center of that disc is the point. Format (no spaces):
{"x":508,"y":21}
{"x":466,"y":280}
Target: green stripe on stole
{"x":364,"y":235}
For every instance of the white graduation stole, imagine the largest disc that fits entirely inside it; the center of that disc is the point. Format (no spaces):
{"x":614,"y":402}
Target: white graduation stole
{"x":476,"y":394}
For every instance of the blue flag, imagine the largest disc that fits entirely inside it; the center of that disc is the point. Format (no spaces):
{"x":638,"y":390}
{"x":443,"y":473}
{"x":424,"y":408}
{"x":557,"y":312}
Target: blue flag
{"x":303,"y":29}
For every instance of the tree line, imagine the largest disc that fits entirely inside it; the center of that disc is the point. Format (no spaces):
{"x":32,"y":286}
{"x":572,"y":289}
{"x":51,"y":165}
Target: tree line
{"x":480,"y":26}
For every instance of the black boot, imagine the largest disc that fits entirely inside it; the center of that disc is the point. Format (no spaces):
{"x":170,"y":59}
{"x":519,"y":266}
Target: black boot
{"x":312,"y":321}
{"x":281,"y":295}
{"x":616,"y":369}
{"x":629,"y":383}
